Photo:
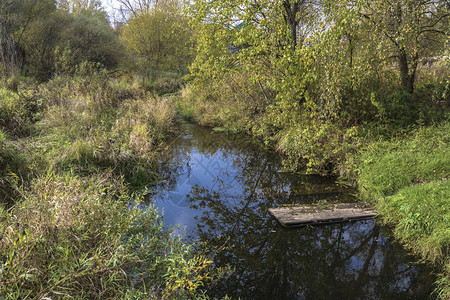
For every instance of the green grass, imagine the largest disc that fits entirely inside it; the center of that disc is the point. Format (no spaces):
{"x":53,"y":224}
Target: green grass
{"x":79,"y":237}
{"x":74,"y":225}
{"x":408,"y":180}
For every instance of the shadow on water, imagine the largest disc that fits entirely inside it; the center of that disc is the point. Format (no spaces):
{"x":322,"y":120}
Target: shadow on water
{"x":218,"y":188}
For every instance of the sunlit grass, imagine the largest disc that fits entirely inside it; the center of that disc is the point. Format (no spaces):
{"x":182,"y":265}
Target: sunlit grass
{"x":408,"y":180}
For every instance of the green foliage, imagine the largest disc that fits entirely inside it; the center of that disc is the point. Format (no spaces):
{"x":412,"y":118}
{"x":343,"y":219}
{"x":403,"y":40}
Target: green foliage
{"x":262,"y":50}
{"x":322,"y":148}
{"x":160,"y":35}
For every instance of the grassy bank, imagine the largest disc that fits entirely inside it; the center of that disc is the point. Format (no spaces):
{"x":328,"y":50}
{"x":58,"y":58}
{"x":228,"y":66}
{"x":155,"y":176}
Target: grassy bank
{"x":75,"y":156}
{"x":408,"y":181}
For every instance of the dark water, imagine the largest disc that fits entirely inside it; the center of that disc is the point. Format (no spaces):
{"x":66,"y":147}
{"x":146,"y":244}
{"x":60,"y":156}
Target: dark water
{"x":218,"y":188}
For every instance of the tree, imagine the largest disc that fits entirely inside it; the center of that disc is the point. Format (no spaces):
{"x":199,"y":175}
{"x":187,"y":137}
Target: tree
{"x":275,"y":47}
{"x":15,"y":18}
{"x":78,"y":35}
{"x":160,"y":34}
{"x":408,"y":30}
{"x":135,"y":7}
{"x":317,"y":62}
{"x":75,"y":6}
{"x":89,"y":38}
{"x":40,"y":41}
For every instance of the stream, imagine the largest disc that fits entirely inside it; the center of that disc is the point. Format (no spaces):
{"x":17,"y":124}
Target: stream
{"x":217,"y":187}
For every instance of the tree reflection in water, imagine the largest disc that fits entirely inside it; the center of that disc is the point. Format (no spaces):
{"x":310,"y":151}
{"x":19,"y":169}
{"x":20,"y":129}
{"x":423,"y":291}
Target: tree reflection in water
{"x":219,"y":188}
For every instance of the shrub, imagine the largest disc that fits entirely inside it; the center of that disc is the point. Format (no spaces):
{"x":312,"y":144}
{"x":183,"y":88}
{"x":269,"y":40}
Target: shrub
{"x":322,"y":148}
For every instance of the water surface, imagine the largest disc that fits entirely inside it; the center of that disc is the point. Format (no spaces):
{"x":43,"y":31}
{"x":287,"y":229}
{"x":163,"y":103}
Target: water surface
{"x":218,"y":188}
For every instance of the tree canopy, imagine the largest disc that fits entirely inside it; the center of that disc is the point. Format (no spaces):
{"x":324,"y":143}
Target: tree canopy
{"x":159,"y":33}
{"x":35,"y":33}
{"x":324,"y":57}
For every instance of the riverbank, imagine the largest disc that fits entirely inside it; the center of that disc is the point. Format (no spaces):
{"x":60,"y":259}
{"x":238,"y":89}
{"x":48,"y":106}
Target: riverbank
{"x":402,"y":171}
{"x":77,"y":155}
{"x":407,"y":179}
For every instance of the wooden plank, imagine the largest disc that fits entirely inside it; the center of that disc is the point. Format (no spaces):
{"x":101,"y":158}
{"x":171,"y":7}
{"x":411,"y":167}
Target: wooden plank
{"x":322,"y":214}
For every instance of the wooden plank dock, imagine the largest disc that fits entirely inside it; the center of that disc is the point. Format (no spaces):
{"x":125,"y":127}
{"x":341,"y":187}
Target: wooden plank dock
{"x":322,"y":214}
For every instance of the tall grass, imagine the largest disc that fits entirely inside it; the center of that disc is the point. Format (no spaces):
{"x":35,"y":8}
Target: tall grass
{"x":16,"y":117}
{"x":233,"y":103}
{"x":75,"y":228}
{"x":79,"y":237}
{"x":18,"y":111}
{"x":96,"y":125}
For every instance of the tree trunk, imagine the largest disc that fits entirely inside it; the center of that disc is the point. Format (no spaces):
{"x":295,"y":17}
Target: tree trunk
{"x":291,"y":9}
{"x":8,"y":50}
{"x":407,"y":74}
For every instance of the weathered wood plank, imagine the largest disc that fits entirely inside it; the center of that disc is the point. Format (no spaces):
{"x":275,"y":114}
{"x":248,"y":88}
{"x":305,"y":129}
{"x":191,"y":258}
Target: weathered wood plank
{"x":304,"y":215}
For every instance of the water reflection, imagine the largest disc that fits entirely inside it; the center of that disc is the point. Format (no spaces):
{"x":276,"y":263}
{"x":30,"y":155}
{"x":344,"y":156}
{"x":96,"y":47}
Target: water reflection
{"x":218,"y":189}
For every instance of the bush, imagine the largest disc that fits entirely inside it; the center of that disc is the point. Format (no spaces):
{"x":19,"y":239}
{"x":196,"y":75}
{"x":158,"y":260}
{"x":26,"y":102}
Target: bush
{"x":323,"y":148}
